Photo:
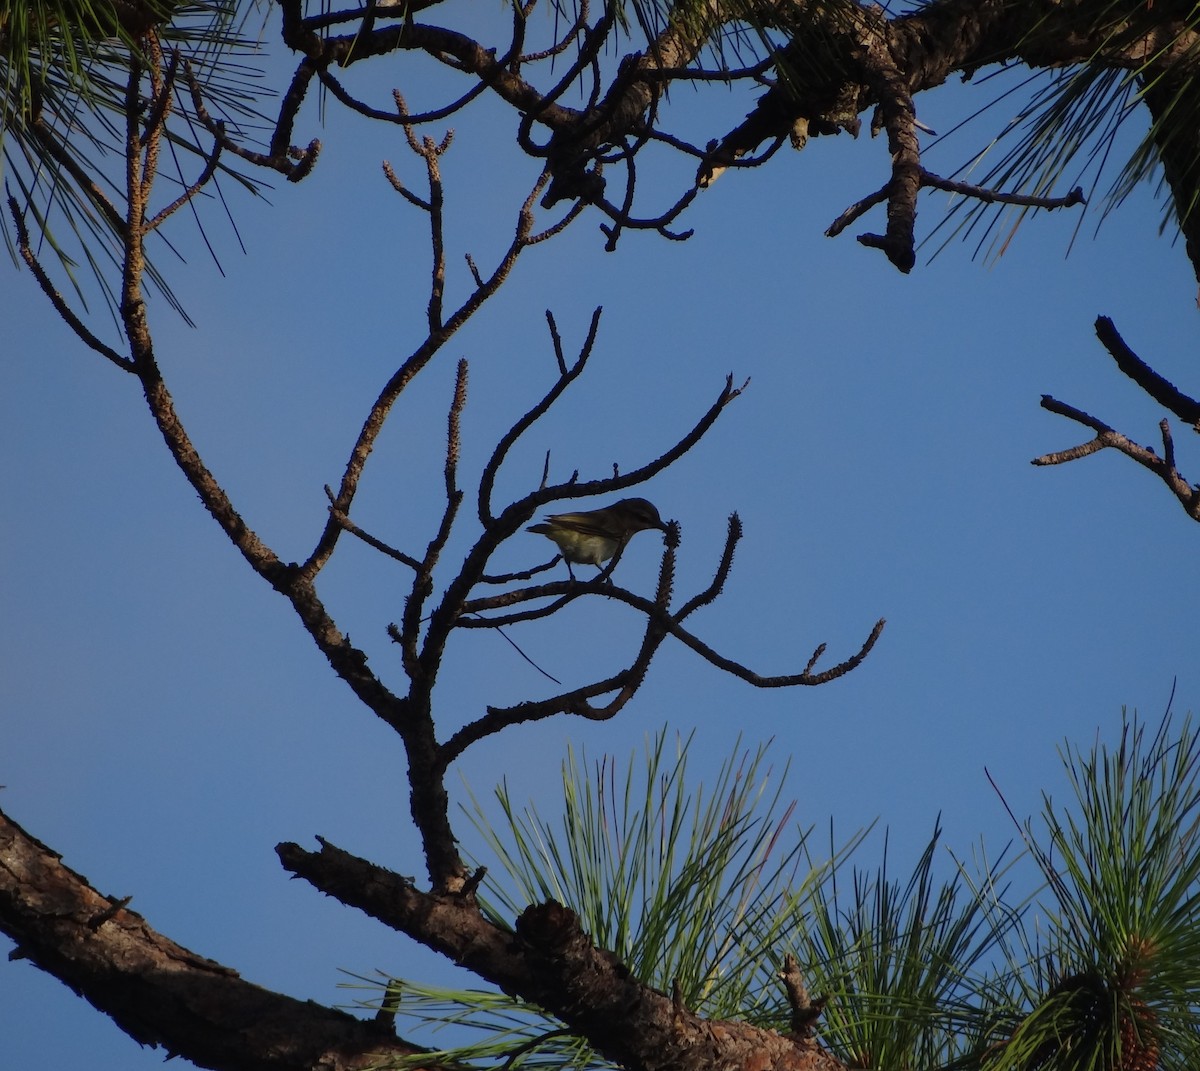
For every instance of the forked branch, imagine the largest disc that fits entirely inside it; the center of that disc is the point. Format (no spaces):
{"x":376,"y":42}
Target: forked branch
{"x":1162,"y":391}
{"x":1108,"y":438}
{"x":661,"y":622}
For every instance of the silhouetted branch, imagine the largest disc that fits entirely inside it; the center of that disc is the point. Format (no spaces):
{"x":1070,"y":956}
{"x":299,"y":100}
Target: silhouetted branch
{"x":210,"y":169}
{"x":425,"y":352}
{"x":1108,"y":438}
{"x":1160,"y":389}
{"x":422,"y":586}
{"x":732,"y":536}
{"x":566,"y":377}
{"x":291,"y":162}
{"x":982,"y":193}
{"x":569,"y":589}
{"x":56,"y":299}
{"x":582,"y":14}
{"x":660,"y":622}
{"x":898,"y":115}
{"x":348,"y":525}
{"x":365,"y":32}
{"x":966,"y":189}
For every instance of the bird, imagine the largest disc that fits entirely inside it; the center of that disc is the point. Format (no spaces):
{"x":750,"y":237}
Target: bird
{"x":594,"y":536}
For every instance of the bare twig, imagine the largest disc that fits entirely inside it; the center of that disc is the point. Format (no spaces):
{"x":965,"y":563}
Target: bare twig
{"x":566,"y":377}
{"x":210,"y":169}
{"x":289,"y":161}
{"x":988,"y":196}
{"x":422,"y":585}
{"x":660,"y":623}
{"x":1108,"y":438}
{"x":420,"y":357}
{"x":348,"y":525}
{"x":56,"y":299}
{"x":967,"y":189}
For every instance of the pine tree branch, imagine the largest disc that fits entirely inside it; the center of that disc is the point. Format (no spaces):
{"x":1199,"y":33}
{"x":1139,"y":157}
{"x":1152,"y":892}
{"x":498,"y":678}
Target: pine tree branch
{"x":160,"y":993}
{"x":549,"y":961}
{"x":1158,"y":387}
{"x":1108,"y":438}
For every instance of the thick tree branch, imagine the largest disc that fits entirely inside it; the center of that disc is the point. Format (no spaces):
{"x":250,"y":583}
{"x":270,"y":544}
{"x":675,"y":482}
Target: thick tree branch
{"x":898,"y":116}
{"x":548,"y":960}
{"x":158,"y":992}
{"x":1179,"y":150}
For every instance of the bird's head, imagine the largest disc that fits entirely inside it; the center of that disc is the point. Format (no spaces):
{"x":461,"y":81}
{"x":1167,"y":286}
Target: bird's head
{"x":636,"y":515}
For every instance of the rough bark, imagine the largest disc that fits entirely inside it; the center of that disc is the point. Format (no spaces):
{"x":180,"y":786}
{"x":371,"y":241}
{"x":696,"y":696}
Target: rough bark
{"x":160,"y":993}
{"x":549,"y":961}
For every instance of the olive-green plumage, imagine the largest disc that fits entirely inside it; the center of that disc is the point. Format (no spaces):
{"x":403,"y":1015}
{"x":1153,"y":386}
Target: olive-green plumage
{"x":594,"y":536}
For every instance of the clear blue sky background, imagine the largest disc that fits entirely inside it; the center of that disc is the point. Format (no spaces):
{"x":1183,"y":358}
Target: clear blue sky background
{"x":164,"y":722}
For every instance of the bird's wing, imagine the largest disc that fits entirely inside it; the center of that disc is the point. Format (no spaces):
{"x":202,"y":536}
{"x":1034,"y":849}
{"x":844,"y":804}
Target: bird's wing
{"x":583,"y":523}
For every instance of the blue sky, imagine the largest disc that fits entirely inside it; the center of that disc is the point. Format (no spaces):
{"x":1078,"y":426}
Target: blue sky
{"x":166,"y":722}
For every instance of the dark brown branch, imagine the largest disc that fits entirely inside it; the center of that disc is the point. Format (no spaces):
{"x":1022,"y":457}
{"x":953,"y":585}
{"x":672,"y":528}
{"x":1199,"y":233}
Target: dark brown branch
{"x":805,"y":1010}
{"x":422,"y":586}
{"x":404,"y":118}
{"x":577,"y":701}
{"x":160,"y":993}
{"x":582,"y":15}
{"x":373,"y":424}
{"x":549,"y":961}
{"x":83,"y":181}
{"x":557,"y":228}
{"x":398,"y":9}
{"x":449,"y":612}
{"x":869,"y":61}
{"x":966,"y":189}
{"x":733,"y":535}
{"x":468,"y":56}
{"x":163,"y":89}
{"x":56,"y":299}
{"x":566,"y":377}
{"x":287,"y":159}
{"x":522,"y":574}
{"x":346,"y":660}
{"x":898,"y":115}
{"x":660,"y":623}
{"x":789,"y":680}
{"x":987,"y":196}
{"x":366,"y":537}
{"x":1160,"y":389}
{"x":397,"y":184}
{"x":206,"y":174}
{"x":625,"y":220}
{"x":855,"y":211}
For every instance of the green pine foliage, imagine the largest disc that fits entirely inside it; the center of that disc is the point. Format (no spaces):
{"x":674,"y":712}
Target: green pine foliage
{"x":705,"y":890}
{"x":64,"y":78}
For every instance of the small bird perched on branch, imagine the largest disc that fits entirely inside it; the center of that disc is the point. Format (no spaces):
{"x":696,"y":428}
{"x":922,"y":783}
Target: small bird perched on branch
{"x":593,"y":537}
